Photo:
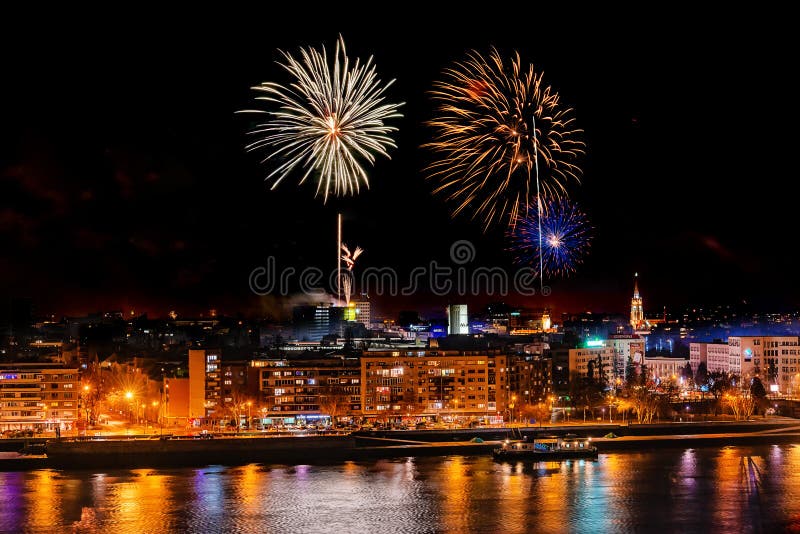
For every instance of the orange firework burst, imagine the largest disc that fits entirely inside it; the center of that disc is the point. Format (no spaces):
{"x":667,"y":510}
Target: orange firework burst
{"x":497,"y":128}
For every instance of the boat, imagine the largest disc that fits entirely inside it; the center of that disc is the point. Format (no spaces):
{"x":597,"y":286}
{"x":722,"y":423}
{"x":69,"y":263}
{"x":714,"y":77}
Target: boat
{"x":546,"y":448}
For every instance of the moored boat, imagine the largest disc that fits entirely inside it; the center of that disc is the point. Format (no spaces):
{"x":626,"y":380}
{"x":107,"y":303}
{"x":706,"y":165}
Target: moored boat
{"x":546,"y":448}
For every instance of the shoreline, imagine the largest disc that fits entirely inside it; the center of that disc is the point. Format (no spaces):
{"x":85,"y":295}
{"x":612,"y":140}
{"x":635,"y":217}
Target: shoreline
{"x":155,"y":453}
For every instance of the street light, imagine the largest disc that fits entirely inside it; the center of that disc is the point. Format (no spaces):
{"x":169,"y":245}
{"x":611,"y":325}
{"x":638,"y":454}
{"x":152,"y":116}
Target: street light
{"x":129,"y":396}
{"x":249,"y":420}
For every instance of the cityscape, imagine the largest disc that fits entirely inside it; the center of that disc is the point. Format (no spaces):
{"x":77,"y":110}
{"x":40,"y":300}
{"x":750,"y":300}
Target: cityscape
{"x":344,"y":365}
{"x":332,"y":276}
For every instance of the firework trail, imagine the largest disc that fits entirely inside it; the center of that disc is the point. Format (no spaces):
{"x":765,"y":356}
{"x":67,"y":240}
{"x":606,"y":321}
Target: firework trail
{"x":497,"y":127}
{"x":327,"y":121}
{"x":350,"y":259}
{"x":565,"y":237}
{"x":350,"y":262}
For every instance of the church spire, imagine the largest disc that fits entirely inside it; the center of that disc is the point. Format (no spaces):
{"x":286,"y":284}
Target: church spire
{"x":637,"y":308}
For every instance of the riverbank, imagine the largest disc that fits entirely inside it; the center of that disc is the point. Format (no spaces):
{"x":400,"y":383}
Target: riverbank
{"x":136,"y":453}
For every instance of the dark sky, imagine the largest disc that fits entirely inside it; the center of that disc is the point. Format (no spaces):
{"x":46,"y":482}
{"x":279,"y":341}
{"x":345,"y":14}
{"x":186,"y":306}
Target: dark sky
{"x":124,"y":184}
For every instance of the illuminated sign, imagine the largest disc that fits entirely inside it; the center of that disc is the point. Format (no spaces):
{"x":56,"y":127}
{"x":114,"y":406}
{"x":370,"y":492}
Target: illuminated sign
{"x":9,"y":377}
{"x":594,"y":343}
{"x":748,"y":354}
{"x":773,"y":388}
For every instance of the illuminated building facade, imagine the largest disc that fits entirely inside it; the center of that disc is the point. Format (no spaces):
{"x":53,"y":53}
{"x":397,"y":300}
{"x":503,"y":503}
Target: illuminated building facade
{"x":296,"y":391}
{"x":414,"y":383}
{"x":530,"y":378}
{"x":714,"y":355}
{"x":457,"y":319}
{"x":637,"y":308}
{"x":599,"y":359}
{"x":661,"y":368}
{"x":626,"y":348}
{"x":772,"y":358}
{"x":39,"y":396}
{"x":205,"y":382}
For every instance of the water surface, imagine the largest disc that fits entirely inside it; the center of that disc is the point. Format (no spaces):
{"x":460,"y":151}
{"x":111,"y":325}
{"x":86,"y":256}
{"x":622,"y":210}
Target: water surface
{"x":736,"y":489}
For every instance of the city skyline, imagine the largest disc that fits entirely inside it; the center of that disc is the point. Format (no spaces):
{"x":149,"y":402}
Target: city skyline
{"x":132,"y":190}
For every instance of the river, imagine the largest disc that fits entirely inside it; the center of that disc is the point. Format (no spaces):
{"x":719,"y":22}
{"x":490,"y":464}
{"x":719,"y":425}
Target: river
{"x":735,"y":489}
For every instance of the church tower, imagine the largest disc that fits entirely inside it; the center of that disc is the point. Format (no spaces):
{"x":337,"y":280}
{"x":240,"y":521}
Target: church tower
{"x":637,"y":311}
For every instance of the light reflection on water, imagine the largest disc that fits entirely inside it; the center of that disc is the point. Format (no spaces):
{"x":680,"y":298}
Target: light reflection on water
{"x":735,"y":489}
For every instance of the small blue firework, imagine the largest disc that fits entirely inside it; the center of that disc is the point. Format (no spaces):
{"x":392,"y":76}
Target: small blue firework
{"x":565,"y":237}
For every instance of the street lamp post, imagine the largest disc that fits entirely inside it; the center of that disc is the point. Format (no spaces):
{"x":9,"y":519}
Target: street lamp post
{"x":129,"y":397}
{"x":249,"y":419}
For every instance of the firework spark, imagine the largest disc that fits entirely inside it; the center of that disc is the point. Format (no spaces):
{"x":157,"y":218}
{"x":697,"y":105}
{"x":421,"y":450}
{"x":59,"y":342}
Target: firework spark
{"x":327,"y":121}
{"x":496,"y":123}
{"x":349,"y":260}
{"x":565,"y":237}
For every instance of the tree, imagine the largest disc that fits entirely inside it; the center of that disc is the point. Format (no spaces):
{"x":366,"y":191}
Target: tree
{"x":540,"y":412}
{"x":772,"y":372}
{"x":701,"y":376}
{"x":758,"y":392}
{"x":631,"y":376}
{"x":687,"y":372}
{"x":334,"y":403}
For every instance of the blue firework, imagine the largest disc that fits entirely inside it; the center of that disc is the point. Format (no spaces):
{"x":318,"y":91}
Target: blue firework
{"x":565,"y":237}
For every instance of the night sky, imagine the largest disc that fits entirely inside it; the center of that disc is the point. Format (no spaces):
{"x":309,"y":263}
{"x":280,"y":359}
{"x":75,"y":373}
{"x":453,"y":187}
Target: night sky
{"x":124,"y":183}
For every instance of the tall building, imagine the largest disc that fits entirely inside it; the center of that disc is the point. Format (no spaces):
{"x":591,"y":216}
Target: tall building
{"x":39,"y":396}
{"x":415,"y":383}
{"x":363,"y":311}
{"x":626,"y":348}
{"x":637,"y":309}
{"x":302,"y":391}
{"x":457,"y":319}
{"x":311,"y":323}
{"x":204,"y":383}
{"x":530,"y":378}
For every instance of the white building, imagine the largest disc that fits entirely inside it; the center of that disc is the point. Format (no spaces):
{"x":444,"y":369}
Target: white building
{"x":773,"y":358}
{"x":457,"y":319}
{"x":664,"y":368}
{"x":714,"y":355}
{"x":39,"y":395}
{"x":625,"y":347}
{"x":363,"y":312}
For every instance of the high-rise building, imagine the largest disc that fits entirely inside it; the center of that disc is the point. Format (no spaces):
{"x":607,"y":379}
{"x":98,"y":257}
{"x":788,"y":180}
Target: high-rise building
{"x":626,"y":348}
{"x":637,"y":308}
{"x":414,"y":383}
{"x":530,"y":378}
{"x":363,"y":311}
{"x":302,"y":391}
{"x":204,"y":382}
{"x":38,"y":396}
{"x":311,"y":323}
{"x":457,"y":319}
